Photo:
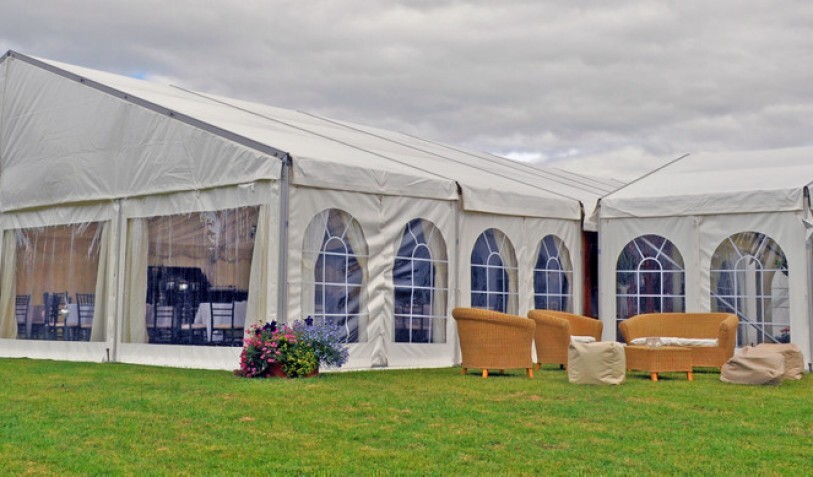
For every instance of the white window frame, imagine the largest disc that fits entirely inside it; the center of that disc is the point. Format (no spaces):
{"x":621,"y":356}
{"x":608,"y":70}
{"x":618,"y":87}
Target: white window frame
{"x":320,"y":316}
{"x":554,"y":258}
{"x":496,"y":255}
{"x":434,"y":290}
{"x":739,"y":273}
{"x":650,"y":253}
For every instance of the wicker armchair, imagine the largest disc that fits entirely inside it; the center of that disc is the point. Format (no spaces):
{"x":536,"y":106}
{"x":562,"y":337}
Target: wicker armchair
{"x":721,"y":326}
{"x":493,"y":340}
{"x":553,"y":332}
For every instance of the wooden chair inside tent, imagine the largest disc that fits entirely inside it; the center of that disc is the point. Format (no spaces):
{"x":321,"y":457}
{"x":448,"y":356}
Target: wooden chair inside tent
{"x":222,"y":316}
{"x":21,"y":303}
{"x":160,"y":326}
{"x":192,"y":331}
{"x":55,"y":317}
{"x":86,"y":303}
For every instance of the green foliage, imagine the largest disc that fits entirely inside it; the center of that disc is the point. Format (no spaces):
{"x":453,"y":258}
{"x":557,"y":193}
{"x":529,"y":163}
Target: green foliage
{"x":61,"y":418}
{"x":301,"y":361}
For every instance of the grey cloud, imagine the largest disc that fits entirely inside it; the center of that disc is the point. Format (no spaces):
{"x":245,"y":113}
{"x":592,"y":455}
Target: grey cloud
{"x":587,"y":85}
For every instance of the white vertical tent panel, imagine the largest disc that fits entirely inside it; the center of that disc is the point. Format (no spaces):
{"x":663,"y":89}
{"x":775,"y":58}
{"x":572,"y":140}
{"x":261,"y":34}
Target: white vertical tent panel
{"x":62,"y":350}
{"x":615,"y":234}
{"x":226,"y":357}
{"x":787,"y":229}
{"x":570,"y":234}
{"x":396,"y":213}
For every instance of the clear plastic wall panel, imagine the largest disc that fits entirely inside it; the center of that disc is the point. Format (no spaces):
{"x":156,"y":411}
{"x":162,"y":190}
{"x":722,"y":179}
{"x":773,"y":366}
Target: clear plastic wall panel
{"x":198,"y":271}
{"x":749,"y":277}
{"x":553,"y":276}
{"x":334,"y":273}
{"x":650,"y":278}
{"x":420,"y":275}
{"x":493,"y":268}
{"x":57,"y":270}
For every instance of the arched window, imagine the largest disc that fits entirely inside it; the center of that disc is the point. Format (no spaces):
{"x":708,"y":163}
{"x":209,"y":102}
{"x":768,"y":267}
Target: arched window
{"x":335,"y":258}
{"x":650,"y":278}
{"x":749,"y":277}
{"x":494,"y":273}
{"x":553,"y":275}
{"x":420,"y":275}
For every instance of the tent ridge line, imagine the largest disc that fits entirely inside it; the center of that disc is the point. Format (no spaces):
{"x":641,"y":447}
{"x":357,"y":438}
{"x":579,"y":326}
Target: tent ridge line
{"x":657,"y":169}
{"x":611,"y":183}
{"x":308,"y":131}
{"x":154,"y":107}
{"x":512,"y":164}
{"x":534,"y":186}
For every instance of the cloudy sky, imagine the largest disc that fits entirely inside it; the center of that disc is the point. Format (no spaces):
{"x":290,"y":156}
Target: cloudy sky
{"x":608,"y":88}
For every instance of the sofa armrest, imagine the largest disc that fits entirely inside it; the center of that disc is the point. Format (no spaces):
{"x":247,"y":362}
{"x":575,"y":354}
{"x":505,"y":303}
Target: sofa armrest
{"x":728,"y":332}
{"x":584,"y":326}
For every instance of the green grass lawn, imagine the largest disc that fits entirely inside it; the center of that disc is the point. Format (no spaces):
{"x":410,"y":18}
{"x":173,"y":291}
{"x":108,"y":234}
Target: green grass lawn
{"x":83,"y":418}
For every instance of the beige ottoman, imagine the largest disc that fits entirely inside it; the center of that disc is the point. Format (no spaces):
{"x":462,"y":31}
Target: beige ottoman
{"x":753,"y":368}
{"x":596,"y":363}
{"x":794,"y":360}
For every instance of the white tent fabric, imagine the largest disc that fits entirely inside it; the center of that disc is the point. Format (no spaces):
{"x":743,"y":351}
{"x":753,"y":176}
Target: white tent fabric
{"x":722,"y":183}
{"x":700,"y":201}
{"x":338,"y":156}
{"x":56,"y":131}
{"x":78,"y":145}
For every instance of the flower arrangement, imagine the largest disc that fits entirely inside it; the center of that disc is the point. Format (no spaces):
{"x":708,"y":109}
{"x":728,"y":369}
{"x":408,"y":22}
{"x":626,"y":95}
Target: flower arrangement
{"x":292,"y":351}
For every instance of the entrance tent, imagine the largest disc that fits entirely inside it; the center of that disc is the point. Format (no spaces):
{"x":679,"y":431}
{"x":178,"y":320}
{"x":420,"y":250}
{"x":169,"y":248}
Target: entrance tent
{"x":144,"y":223}
{"x":714,"y":232}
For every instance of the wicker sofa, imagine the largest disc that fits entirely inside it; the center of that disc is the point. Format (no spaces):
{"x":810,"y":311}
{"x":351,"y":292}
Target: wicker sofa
{"x":553,"y":332}
{"x":719,"y":326}
{"x":493,"y":340}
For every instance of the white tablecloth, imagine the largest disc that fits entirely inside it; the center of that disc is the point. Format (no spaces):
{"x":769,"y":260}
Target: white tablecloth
{"x":36,"y":315}
{"x":204,"y":315}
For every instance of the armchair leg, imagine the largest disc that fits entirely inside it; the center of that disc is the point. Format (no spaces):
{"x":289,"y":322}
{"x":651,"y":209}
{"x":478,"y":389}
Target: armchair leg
{"x":530,"y":372}
{"x":485,"y":373}
{"x":538,"y":366}
{"x":463,"y":371}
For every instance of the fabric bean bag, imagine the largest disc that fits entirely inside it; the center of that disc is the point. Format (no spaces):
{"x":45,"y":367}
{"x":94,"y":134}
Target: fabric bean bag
{"x":596,"y":363}
{"x":753,"y":368}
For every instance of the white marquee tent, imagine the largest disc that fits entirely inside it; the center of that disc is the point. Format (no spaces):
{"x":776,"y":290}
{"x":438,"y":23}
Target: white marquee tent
{"x":108,"y":183}
{"x":722,"y":232}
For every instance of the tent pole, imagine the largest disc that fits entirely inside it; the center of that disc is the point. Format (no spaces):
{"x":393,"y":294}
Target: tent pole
{"x":809,"y":262}
{"x":120,"y":245}
{"x":282,"y":261}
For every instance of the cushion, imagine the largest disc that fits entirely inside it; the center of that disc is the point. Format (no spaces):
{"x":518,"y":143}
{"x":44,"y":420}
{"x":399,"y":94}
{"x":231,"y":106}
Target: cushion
{"x":753,"y":368}
{"x":675,"y":341}
{"x":794,"y":360}
{"x":582,"y":339}
{"x":602,"y":362}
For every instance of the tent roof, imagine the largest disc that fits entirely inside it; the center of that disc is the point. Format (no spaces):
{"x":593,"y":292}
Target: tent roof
{"x":337,"y":155}
{"x":717,"y":183}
